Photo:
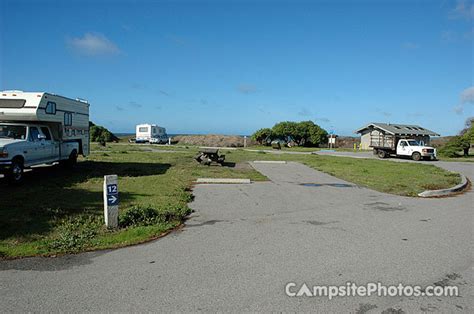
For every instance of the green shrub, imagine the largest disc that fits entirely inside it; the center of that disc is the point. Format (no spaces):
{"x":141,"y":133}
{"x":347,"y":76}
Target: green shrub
{"x":147,"y":215}
{"x":456,"y":147}
{"x":100,"y":134}
{"x":75,"y":233}
{"x":139,"y":216}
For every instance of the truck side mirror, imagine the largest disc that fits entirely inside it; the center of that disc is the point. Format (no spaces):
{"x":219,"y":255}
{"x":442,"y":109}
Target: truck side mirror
{"x":41,"y":137}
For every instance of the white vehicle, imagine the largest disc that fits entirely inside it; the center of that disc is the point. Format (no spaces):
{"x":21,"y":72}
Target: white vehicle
{"x":40,"y":128}
{"x":160,"y":139}
{"x":151,"y":133}
{"x":407,"y":148}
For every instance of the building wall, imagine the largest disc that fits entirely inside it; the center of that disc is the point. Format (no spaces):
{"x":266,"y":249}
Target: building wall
{"x":365,"y":140}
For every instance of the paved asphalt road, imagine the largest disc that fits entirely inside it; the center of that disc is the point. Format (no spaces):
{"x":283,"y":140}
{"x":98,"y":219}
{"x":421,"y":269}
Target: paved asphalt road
{"x":245,"y":242}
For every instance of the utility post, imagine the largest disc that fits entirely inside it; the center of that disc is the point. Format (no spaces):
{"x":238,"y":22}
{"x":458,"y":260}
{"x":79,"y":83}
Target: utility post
{"x":111,"y":201}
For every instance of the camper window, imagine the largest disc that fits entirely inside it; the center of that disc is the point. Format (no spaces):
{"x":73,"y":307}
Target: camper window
{"x":67,"y":118}
{"x":51,"y":108}
{"x":12,"y":103}
{"x":143,"y":129}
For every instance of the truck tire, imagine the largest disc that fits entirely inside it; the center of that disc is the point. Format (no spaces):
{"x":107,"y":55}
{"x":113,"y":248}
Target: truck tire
{"x":72,"y":160}
{"x":15,"y":174}
{"x":382,"y":154}
{"x":416,"y":156}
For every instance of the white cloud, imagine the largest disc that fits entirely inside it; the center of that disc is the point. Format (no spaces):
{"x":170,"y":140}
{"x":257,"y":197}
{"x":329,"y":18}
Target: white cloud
{"x":134,"y":104}
{"x":323,"y":120}
{"x":93,"y":44}
{"x":247,"y":88}
{"x":163,"y":92}
{"x":467,"y":95}
{"x":452,"y":36}
{"x":305,"y":112}
{"x":463,"y":9}
{"x":459,"y":109}
{"x":410,"y":45}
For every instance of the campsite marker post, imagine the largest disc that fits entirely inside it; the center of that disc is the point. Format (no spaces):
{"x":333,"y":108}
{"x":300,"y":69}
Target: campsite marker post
{"x":111,"y":201}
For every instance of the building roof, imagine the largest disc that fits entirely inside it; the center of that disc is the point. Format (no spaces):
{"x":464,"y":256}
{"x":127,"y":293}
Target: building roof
{"x":398,"y":129}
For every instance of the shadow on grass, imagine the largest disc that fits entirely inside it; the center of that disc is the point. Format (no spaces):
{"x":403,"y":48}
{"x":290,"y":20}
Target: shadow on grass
{"x":49,"y":193}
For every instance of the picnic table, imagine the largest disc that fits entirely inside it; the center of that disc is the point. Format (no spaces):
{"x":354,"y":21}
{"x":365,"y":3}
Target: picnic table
{"x":207,"y":156}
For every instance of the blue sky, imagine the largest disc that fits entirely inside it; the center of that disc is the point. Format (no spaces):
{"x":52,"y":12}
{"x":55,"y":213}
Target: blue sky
{"x":232,"y":67}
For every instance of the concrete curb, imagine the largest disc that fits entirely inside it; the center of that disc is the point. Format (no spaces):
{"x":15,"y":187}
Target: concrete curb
{"x":447,"y":192}
{"x":269,"y":162}
{"x":223,"y":181}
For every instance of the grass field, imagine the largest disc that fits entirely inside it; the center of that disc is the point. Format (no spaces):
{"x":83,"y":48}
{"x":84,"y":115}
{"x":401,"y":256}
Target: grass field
{"x":60,"y":211}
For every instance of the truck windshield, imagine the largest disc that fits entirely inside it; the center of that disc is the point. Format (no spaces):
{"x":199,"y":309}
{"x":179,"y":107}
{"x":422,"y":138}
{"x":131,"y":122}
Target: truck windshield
{"x":413,"y":143}
{"x":16,"y":132}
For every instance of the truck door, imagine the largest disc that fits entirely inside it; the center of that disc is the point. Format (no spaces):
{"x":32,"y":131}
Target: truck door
{"x":50,"y":147}
{"x":35,"y":151}
{"x":403,"y":148}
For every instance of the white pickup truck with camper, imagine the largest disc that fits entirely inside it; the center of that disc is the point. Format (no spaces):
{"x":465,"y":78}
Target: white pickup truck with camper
{"x":39,"y":128}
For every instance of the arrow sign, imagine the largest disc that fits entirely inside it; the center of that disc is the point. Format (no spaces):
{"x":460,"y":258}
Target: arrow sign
{"x":112,"y":199}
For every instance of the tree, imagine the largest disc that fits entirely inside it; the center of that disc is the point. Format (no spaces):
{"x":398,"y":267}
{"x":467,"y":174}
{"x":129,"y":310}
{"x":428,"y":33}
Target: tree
{"x":304,"y":133}
{"x":467,"y":136}
{"x":285,"y":129}
{"x":460,"y":142}
{"x":100,"y":134}
{"x":261,"y":135}
{"x":311,"y":134}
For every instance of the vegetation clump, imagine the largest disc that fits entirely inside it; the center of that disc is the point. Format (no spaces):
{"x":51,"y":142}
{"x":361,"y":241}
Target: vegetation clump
{"x":147,"y":215}
{"x":100,"y":134}
{"x":460,"y":143}
{"x":304,"y":133}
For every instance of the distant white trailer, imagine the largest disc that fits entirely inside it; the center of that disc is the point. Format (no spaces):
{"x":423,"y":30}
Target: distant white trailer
{"x":150,"y":133}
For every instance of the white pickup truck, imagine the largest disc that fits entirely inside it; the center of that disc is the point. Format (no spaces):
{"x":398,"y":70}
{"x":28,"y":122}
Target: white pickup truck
{"x":40,"y":128}
{"x":407,"y":148}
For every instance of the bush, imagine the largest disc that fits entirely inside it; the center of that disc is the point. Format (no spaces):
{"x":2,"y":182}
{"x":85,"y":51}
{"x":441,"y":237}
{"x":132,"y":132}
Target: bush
{"x":100,"y":134}
{"x":455,"y":146}
{"x":75,"y":233}
{"x":139,"y":216}
{"x":147,"y":215}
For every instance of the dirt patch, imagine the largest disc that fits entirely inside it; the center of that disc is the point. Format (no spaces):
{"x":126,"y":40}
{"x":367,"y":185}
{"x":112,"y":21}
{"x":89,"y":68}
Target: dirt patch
{"x":213,"y":140}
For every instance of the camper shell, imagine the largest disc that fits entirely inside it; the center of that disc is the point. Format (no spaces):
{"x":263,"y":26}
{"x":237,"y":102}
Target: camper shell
{"x":41,"y":128}
{"x":68,"y":119}
{"x":151,"y":133}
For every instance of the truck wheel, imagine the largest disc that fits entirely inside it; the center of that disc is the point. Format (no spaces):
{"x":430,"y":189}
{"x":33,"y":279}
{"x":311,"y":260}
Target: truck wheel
{"x":416,"y":156}
{"x":382,"y":154}
{"x":15,"y":175}
{"x":72,"y":160}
